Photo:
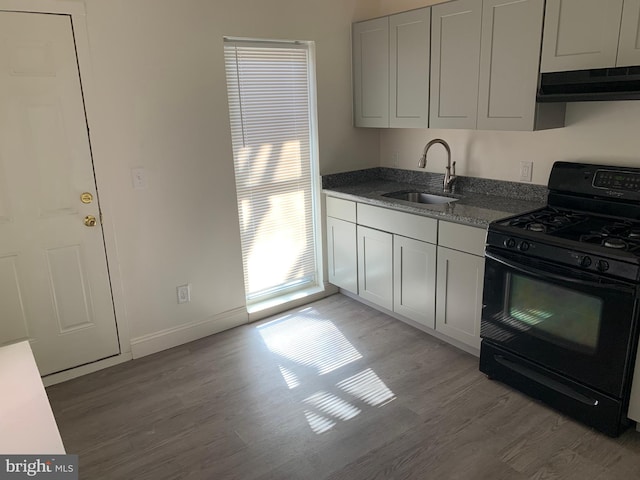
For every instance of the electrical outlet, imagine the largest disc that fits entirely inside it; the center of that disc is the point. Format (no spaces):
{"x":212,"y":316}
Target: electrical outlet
{"x":184,"y":293}
{"x":526,"y":170}
{"x":138,"y":178}
{"x":395,"y":159}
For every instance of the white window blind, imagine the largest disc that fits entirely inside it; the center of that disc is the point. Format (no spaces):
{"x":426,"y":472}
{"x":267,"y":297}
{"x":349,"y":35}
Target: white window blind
{"x":270,"y":107}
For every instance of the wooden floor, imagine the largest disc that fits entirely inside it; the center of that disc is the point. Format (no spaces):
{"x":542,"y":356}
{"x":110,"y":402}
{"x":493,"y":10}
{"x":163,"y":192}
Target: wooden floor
{"x":331,"y":390}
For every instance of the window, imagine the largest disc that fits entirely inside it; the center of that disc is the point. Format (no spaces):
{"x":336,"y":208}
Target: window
{"x":272,"y":112}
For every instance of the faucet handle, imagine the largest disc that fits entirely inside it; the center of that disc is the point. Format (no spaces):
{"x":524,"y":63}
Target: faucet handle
{"x":453,"y":167}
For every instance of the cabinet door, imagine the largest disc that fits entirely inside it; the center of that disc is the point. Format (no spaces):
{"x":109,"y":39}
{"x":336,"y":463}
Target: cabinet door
{"x":414,"y":280}
{"x":342,"y":247}
{"x":629,"y":45}
{"x":371,"y":72}
{"x":580,"y":34}
{"x":509,"y":58}
{"x":375,"y":266}
{"x":459,"y":295}
{"x":409,"y":48}
{"x":455,"y":58}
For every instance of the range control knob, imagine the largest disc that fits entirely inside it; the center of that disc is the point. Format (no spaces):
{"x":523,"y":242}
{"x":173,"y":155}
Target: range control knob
{"x":602,"y":265}
{"x":510,"y":243}
{"x":585,"y":261}
{"x":524,"y":246}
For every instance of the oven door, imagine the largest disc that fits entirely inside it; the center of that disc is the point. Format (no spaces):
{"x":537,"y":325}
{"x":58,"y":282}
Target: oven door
{"x":578,"y":324}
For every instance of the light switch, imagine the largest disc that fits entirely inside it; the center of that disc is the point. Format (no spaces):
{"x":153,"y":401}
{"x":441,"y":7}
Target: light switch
{"x":139,"y":178}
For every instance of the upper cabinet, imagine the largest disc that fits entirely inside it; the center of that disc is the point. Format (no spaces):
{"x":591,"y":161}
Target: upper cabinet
{"x":391,"y":70}
{"x":629,"y":44}
{"x":371,"y":73}
{"x":461,"y":64}
{"x":455,"y":60}
{"x":484,"y":71}
{"x":509,"y":57}
{"x":410,"y":35}
{"x":588,"y":34}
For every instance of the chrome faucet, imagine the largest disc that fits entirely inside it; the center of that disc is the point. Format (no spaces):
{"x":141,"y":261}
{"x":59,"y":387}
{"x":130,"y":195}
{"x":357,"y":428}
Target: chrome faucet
{"x":449,"y":178}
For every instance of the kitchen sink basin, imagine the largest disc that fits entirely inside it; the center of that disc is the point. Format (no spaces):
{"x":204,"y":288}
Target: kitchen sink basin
{"x":419,"y":197}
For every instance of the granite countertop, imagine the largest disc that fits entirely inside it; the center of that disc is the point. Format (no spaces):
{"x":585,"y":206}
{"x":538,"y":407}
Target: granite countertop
{"x":472,"y":208}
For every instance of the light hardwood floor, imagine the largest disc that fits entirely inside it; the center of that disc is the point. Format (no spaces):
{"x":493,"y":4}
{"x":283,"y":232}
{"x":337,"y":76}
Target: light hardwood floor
{"x":333,"y":390}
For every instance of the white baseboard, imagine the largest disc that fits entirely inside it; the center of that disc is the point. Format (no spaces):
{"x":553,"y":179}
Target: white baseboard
{"x":172,"y":337}
{"x":85,"y":369}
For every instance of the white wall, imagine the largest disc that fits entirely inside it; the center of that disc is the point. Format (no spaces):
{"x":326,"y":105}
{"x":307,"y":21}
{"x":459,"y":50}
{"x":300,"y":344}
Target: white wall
{"x":605,"y":132}
{"x":161,"y":104}
{"x":598,"y":132}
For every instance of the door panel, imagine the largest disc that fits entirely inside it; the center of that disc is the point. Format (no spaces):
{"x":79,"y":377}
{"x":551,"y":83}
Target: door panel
{"x":511,"y":36}
{"x":580,"y":34}
{"x":414,"y":284}
{"x":460,"y":279}
{"x":409,"y":47}
{"x":629,"y":46}
{"x":371,"y":72}
{"x":342,"y":247}
{"x":375,"y":266}
{"x":455,"y":59}
{"x":53,"y":272}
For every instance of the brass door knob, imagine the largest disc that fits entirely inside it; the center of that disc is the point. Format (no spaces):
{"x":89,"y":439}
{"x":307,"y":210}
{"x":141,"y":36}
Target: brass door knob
{"x":90,"y":221}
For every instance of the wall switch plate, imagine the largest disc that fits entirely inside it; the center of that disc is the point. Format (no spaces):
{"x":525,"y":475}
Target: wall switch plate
{"x":138,"y":178}
{"x":184,"y":293}
{"x":395,"y":159}
{"x":526,"y":170}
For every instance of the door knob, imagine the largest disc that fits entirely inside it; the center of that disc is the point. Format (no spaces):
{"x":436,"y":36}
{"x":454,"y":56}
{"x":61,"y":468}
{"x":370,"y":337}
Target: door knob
{"x":90,"y":221}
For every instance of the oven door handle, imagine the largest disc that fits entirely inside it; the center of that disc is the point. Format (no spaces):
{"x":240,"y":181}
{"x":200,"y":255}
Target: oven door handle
{"x":619,"y":286}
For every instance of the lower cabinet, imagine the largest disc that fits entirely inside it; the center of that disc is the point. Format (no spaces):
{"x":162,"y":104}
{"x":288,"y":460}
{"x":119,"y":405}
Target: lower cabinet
{"x":425,"y":270}
{"x":375,"y":266}
{"x":342,"y":253}
{"x":459,"y":295}
{"x":414,"y":280}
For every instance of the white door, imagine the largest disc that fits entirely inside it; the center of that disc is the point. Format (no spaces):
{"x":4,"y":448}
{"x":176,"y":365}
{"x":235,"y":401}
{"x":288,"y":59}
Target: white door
{"x":54,"y":283}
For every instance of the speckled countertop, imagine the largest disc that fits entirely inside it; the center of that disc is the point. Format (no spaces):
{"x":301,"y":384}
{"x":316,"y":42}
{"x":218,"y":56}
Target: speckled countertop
{"x":471,"y":208}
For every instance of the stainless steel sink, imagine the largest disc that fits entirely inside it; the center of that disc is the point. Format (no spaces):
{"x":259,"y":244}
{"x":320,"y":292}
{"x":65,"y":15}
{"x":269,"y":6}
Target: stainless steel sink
{"x":419,"y":197}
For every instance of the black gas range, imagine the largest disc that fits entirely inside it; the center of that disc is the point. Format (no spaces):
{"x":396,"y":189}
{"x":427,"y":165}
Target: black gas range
{"x":560,"y":310}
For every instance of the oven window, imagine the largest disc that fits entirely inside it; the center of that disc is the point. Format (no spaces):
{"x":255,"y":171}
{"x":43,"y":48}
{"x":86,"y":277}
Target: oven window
{"x":560,"y":315}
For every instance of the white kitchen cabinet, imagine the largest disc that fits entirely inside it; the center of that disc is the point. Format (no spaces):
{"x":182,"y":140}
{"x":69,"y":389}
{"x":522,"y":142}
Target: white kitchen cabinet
{"x":342,"y":254}
{"x":391,"y":70}
{"x":342,"y":244}
{"x":371,"y":73}
{"x":455,"y":61}
{"x":629,"y":44}
{"x":509,"y":57}
{"x":582,"y":34}
{"x":375,"y":266}
{"x":413,"y":254}
{"x":459,"y":282}
{"x":409,"y":49}
{"x":414,"y":280}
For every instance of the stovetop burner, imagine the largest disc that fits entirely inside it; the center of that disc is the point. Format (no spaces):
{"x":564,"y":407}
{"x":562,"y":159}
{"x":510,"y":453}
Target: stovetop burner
{"x":569,"y":226}
{"x":548,"y":220}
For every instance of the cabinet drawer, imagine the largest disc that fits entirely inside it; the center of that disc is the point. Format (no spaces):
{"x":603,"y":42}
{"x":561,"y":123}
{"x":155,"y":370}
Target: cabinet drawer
{"x":342,"y":209}
{"x":462,"y":237}
{"x":400,"y":223}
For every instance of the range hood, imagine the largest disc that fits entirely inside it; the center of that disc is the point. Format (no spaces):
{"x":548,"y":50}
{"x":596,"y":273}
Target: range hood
{"x":622,"y":83}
